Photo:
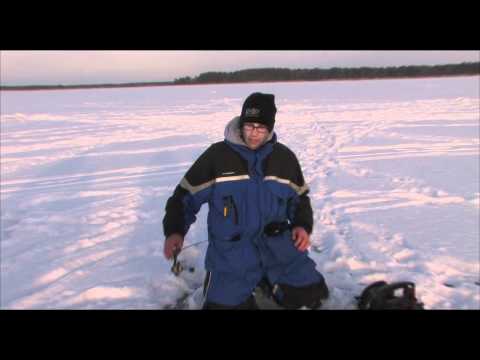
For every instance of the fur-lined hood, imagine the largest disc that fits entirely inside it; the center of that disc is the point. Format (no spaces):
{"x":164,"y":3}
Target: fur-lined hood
{"x":233,"y":132}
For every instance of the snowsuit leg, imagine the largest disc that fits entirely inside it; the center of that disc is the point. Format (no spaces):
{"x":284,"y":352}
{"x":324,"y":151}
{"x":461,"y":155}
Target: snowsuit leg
{"x":230,"y":289}
{"x":292,"y":292}
{"x":249,"y":304}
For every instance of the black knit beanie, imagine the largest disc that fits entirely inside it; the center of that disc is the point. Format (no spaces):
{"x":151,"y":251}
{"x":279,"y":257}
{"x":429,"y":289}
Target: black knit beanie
{"x":259,"y":108}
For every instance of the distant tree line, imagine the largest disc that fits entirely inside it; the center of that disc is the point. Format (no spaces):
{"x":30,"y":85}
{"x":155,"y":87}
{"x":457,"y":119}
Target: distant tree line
{"x":336,"y":73}
{"x":86,"y":86}
{"x":284,"y":74}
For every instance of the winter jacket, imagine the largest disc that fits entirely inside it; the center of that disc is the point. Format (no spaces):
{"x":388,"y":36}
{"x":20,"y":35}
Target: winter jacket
{"x":246,"y":190}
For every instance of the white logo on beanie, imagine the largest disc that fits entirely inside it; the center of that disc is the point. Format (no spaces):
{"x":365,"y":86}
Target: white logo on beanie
{"x":252,"y":112}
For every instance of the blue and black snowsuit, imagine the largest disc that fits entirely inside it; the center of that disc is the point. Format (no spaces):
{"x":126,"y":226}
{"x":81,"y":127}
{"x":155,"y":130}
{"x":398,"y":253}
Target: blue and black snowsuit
{"x":247,"y":191}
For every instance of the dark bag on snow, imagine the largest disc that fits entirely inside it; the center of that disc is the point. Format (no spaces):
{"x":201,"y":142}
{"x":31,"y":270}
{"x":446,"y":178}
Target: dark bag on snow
{"x":395,"y":296}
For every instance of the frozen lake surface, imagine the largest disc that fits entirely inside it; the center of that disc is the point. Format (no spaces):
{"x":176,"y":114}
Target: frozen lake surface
{"x":393,"y":168}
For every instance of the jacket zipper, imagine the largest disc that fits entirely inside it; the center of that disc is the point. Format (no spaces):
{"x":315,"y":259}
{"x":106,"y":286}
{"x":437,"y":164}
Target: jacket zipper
{"x":235,"y":212}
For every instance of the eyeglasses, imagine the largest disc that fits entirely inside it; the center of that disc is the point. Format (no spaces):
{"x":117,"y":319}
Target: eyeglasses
{"x":262,"y":129}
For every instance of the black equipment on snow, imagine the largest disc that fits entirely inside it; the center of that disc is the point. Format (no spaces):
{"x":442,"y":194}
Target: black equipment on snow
{"x":395,"y":296}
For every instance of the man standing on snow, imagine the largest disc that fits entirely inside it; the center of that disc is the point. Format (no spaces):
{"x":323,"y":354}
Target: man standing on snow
{"x":260,"y":217}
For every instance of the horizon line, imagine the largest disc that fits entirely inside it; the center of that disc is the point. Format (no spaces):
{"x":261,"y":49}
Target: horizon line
{"x":173,"y":82}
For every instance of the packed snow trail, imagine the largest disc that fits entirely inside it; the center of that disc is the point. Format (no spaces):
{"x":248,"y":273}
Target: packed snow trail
{"x":353,"y":254}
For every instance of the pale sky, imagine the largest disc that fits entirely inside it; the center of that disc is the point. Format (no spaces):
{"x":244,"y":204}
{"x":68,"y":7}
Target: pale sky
{"x":93,"y":67}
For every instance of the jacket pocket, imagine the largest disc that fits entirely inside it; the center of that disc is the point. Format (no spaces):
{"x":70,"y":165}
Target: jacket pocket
{"x":277,"y":201}
{"x":224,"y":219}
{"x":230,"y":209}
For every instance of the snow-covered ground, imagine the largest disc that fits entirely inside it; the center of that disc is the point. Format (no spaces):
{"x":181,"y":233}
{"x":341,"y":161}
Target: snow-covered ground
{"x":393,"y":167}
